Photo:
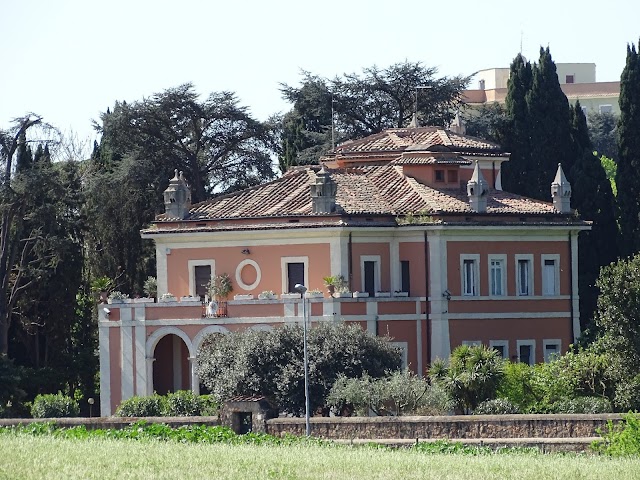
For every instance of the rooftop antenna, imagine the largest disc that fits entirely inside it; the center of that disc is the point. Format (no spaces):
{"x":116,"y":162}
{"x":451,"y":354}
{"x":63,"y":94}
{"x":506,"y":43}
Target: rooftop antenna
{"x":333,"y":126}
{"x":521,"y":35}
{"x":414,"y":122}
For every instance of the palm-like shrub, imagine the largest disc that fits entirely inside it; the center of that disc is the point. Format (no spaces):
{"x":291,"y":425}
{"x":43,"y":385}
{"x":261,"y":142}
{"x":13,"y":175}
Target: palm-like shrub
{"x":472,"y":375}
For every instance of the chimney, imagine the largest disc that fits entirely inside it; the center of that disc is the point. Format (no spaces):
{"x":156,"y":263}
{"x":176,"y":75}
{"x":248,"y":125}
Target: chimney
{"x":477,"y":190}
{"x":177,"y":197}
{"x":323,"y":193}
{"x":457,"y":125}
{"x":561,"y":192}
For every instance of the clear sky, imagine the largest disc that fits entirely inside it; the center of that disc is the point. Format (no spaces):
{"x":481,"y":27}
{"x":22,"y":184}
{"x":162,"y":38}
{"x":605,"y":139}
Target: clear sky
{"x":68,"y":60}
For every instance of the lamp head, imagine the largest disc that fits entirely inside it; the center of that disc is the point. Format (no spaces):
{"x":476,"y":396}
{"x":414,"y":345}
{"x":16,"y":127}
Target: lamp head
{"x":300,"y":288}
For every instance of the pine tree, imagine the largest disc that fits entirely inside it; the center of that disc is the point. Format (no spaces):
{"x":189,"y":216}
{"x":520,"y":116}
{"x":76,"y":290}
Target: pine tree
{"x":628,"y":175}
{"x":593,"y":198}
{"x":521,"y":165}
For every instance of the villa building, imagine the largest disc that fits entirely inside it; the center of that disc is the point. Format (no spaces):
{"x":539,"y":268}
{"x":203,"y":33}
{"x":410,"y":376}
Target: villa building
{"x":434,"y":252}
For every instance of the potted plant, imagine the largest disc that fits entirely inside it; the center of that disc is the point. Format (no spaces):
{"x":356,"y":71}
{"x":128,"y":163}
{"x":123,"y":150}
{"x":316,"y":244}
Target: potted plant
{"x":335,"y":283}
{"x":267,"y":295}
{"x":399,"y":293}
{"x":102,"y":286}
{"x":167,"y":297}
{"x":150,"y":287}
{"x":220,"y":286}
{"x":117,"y":297}
{"x":190,"y":298}
{"x":357,"y":294}
{"x":290,"y":296}
{"x":383,"y":294}
{"x":241,"y":296}
{"x":314,"y":293}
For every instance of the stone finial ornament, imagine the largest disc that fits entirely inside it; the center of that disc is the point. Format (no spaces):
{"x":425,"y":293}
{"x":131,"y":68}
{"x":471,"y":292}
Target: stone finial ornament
{"x":323,"y":193}
{"x":477,"y":190}
{"x":561,"y":192}
{"x":177,"y":197}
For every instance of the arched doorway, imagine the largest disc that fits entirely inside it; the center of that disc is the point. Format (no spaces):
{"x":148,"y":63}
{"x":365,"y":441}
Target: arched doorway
{"x":171,"y":367}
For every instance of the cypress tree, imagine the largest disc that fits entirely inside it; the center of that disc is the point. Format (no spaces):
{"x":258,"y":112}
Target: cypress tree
{"x":593,"y":198}
{"x":550,"y":121}
{"x":628,"y":175}
{"x":516,"y":131}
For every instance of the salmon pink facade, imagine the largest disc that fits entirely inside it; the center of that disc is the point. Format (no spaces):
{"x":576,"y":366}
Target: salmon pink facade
{"x":435,"y":255}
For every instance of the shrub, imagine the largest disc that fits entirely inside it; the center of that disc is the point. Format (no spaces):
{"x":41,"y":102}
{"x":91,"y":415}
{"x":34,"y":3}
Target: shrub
{"x":151,"y":406}
{"x":185,"y":403}
{"x":497,"y":406}
{"x":582,"y":405}
{"x":54,"y":406}
{"x":621,"y":439}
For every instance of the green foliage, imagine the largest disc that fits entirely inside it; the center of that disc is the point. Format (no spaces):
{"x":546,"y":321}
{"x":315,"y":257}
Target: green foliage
{"x":582,"y":405}
{"x":220,"y":286}
{"x":362,"y":104}
{"x":488,"y":122}
{"x":610,"y":169}
{"x":602,"y":132}
{"x":150,"y":287}
{"x":471,"y":377}
{"x":497,"y":406}
{"x":151,"y":406}
{"x":400,"y":393}
{"x":628,"y":174}
{"x":271,"y":363}
{"x":620,"y":439}
{"x":54,"y":406}
{"x":10,"y":376}
{"x":187,"y":404}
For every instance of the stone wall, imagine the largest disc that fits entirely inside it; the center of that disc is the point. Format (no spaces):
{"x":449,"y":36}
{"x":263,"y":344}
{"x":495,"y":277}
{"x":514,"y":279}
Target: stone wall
{"x":449,"y":427}
{"x":111,"y":422}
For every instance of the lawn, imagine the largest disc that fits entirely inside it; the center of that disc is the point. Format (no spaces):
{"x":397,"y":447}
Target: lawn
{"x":28,"y":457}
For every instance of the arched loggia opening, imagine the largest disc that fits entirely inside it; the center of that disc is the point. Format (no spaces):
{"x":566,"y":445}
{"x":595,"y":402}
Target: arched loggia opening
{"x":169,"y":355}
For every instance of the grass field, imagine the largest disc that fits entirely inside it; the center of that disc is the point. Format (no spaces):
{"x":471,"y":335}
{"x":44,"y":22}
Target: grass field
{"x":29,"y":457}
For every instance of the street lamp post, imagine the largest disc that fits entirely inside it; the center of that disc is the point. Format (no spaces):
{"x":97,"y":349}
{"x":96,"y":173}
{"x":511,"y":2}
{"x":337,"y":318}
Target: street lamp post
{"x":302,"y":289}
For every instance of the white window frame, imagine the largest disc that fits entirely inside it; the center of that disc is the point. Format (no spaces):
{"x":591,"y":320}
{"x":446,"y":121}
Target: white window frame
{"x":474,"y":257}
{"x":532,"y":344}
{"x":284,"y":261}
{"x":503,"y":286}
{"x":556,"y":258}
{"x":609,"y":110}
{"x":192,"y":264}
{"x":376,"y":280}
{"x":528,"y":258}
{"x":551,"y":341}
{"x":501,"y":343}
{"x":404,"y":353}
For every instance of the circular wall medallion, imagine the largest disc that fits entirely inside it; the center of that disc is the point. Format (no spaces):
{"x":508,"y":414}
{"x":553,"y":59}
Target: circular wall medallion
{"x":241,"y":266}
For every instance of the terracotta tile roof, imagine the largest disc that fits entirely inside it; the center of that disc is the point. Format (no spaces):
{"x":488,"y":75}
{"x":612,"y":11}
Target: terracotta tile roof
{"x":398,"y":140}
{"x":416,"y":159}
{"x":374,"y":190}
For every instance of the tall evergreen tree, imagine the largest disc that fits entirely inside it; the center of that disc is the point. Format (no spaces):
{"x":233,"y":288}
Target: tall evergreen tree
{"x":550,"y":121}
{"x":628,"y":175}
{"x":593,"y":198}
{"x":517,"y":140}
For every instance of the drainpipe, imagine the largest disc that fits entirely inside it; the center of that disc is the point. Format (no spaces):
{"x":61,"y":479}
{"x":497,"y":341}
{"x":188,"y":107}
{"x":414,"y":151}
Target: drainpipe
{"x":571,"y":288}
{"x":350,"y":253}
{"x":493,"y":168}
{"x":427,"y":304}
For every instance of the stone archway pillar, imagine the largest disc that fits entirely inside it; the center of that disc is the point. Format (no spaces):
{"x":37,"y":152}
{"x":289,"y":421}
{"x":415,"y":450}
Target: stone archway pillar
{"x":150,"y":361}
{"x":195,"y":380}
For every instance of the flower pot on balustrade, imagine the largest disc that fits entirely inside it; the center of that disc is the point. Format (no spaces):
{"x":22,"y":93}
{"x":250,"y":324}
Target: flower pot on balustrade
{"x":342,"y":295}
{"x":314,"y":295}
{"x":190,"y":299}
{"x":290,"y":296}
{"x":243,"y":297}
{"x":360,"y":294}
{"x":267,"y":296}
{"x":400,"y":294}
{"x":167,"y":299}
{"x":383,"y":294}
{"x":144,"y":300}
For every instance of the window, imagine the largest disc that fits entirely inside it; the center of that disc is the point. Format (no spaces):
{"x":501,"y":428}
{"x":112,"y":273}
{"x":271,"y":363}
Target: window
{"x":550,"y":274}
{"x":481,"y":84}
{"x":202,"y":276}
{"x":551,"y":349}
{"x":524,"y":275}
{"x":200,"y":272}
{"x":370,"y":272}
{"x":405,"y":276}
{"x":569,"y":79}
{"x":497,"y":283}
{"x":605,"y":108}
{"x":469,"y":270}
{"x":472,"y":343}
{"x":526,"y":351}
{"x":294,"y":270}
{"x":452,"y":176}
{"x":500,"y":346}
{"x":440,"y":176}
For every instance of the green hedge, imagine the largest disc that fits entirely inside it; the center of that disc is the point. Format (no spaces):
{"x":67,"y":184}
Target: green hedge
{"x":179,"y":404}
{"x":54,"y":406}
